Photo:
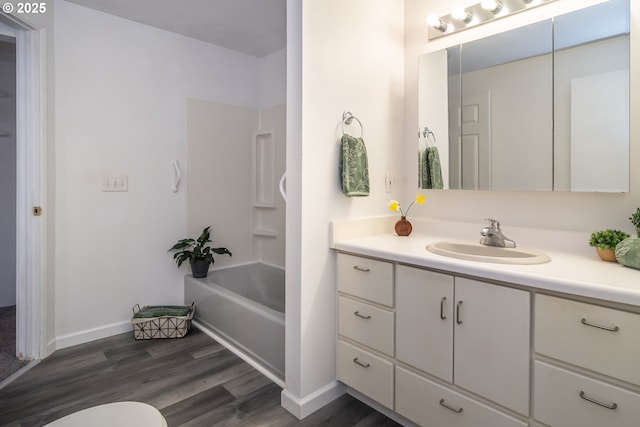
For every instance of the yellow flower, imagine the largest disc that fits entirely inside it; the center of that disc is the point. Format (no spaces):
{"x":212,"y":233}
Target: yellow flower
{"x":395,"y":206}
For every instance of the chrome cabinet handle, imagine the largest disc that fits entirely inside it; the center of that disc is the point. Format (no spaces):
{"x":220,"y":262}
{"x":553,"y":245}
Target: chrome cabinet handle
{"x":362,"y":316}
{"x":456,"y":410}
{"x":458,"y":321}
{"x":611,"y":406}
{"x":357,"y":362}
{"x":355,"y":267}
{"x":595,"y":325}
{"x":442,"y":316}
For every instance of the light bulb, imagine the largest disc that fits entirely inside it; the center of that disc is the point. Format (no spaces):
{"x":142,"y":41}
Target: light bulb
{"x":492,"y":6}
{"x":460,"y":14}
{"x":435,"y":22}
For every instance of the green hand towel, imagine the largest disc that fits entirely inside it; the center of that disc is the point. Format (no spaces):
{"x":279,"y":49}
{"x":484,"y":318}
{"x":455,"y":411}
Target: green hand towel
{"x":435,"y":170}
{"x":354,"y":168}
{"x":423,"y":169}
{"x":430,"y":169}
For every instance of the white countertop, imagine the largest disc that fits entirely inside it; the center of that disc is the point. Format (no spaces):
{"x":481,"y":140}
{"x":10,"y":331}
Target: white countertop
{"x":575,"y":267}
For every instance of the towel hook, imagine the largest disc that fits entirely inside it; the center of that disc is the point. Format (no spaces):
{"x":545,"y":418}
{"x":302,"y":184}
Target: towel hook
{"x":348,"y":118}
{"x":178,"y":176}
{"x":426,"y":133}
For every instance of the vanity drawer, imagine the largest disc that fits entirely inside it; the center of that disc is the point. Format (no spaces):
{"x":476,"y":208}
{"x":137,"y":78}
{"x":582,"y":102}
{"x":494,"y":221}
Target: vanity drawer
{"x":366,"y":278}
{"x":558,"y":400}
{"x":369,"y":374}
{"x":429,"y":404}
{"x":369,"y":325}
{"x":601,"y":339}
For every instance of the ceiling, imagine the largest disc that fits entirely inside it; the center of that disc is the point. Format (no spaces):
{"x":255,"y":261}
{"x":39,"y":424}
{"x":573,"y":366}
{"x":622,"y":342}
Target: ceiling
{"x":253,"y":27}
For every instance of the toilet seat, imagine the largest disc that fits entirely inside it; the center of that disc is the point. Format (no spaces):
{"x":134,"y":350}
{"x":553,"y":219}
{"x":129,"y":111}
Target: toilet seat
{"x":121,"y":414}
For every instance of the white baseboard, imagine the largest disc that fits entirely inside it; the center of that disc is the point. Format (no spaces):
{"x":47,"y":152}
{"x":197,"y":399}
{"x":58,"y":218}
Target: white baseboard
{"x":300,"y":407}
{"x":88,"y":335}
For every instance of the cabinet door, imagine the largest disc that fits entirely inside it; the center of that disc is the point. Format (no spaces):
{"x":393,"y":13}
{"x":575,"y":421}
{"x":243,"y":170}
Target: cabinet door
{"x":429,"y":404}
{"x":424,"y":327}
{"x":492,"y":342}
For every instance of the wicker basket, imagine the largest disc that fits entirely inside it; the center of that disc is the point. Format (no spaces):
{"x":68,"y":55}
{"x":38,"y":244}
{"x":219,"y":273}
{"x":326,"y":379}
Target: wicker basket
{"x":161,"y":327}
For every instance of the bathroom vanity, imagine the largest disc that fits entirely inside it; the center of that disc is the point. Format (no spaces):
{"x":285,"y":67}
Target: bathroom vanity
{"x":448,"y":342}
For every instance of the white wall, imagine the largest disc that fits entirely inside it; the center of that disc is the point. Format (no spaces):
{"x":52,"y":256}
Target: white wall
{"x":571,"y":211}
{"x":218,"y":176}
{"x":355,"y":64}
{"x":121,"y":109}
{"x":273,"y":79}
{"x":8,"y":181}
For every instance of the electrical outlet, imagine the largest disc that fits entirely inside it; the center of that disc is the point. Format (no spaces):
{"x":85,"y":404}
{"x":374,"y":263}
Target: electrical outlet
{"x":115,"y":183}
{"x":388,"y":183}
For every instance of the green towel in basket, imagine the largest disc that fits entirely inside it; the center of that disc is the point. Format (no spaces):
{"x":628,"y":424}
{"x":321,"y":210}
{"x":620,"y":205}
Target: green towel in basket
{"x":162,"y":310}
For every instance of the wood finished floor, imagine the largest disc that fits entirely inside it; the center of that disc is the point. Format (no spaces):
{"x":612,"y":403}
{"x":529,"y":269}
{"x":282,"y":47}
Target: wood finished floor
{"x":193,"y":381}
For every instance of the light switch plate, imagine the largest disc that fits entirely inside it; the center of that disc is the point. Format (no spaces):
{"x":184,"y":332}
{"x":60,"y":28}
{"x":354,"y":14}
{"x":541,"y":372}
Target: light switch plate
{"x":388,"y":183}
{"x":115,"y":183}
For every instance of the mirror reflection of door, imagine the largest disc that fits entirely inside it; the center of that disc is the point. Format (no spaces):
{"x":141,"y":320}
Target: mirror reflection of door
{"x":474,"y":145}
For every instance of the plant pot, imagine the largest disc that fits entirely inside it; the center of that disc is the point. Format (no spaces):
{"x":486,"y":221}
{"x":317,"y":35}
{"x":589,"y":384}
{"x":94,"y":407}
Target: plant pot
{"x":638,"y":231}
{"x":199,"y":268}
{"x":607,"y":254}
{"x":403,"y":227}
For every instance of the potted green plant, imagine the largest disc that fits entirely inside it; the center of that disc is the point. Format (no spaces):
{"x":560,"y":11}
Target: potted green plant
{"x":198,"y":252}
{"x":635,"y":220}
{"x":605,"y":242}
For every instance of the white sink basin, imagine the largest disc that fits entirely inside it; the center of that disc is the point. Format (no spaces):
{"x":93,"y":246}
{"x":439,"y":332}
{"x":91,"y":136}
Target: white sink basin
{"x":476,"y":252}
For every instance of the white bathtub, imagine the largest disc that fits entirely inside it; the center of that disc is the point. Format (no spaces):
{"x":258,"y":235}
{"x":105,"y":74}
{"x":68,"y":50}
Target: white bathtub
{"x":243,"y":307}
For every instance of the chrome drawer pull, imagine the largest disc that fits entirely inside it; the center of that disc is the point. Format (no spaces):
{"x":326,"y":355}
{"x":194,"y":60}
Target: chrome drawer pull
{"x":442,"y":316}
{"x":595,"y":325}
{"x":458,"y":321}
{"x":611,"y":406}
{"x":362,"y":316}
{"x":456,"y":410}
{"x":357,"y":362}
{"x":356,"y":267}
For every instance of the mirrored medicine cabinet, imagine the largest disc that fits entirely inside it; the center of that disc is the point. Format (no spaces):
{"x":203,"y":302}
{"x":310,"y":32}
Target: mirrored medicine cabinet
{"x":544,"y":107}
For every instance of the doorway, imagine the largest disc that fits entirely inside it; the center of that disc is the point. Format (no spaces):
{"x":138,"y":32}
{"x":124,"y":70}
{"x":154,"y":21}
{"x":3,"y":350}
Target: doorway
{"x":23,"y":140}
{"x":9,"y":363}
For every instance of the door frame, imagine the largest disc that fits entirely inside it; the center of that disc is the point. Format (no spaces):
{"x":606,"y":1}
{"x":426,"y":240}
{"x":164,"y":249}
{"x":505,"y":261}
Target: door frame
{"x":31,"y":262}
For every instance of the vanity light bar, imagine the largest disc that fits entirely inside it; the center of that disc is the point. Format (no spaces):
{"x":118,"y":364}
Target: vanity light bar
{"x":487,"y":10}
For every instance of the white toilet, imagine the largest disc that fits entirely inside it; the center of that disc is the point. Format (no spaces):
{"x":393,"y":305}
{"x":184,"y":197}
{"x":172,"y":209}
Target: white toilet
{"x":121,"y":414}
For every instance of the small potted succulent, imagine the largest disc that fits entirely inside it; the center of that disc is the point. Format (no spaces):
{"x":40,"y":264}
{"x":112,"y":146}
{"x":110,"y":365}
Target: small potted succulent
{"x":198,"y":252}
{"x":635,"y":220}
{"x":605,"y":242}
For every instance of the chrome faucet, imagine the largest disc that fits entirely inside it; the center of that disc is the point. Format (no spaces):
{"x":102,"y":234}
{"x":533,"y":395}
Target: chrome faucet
{"x":492,"y":236}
